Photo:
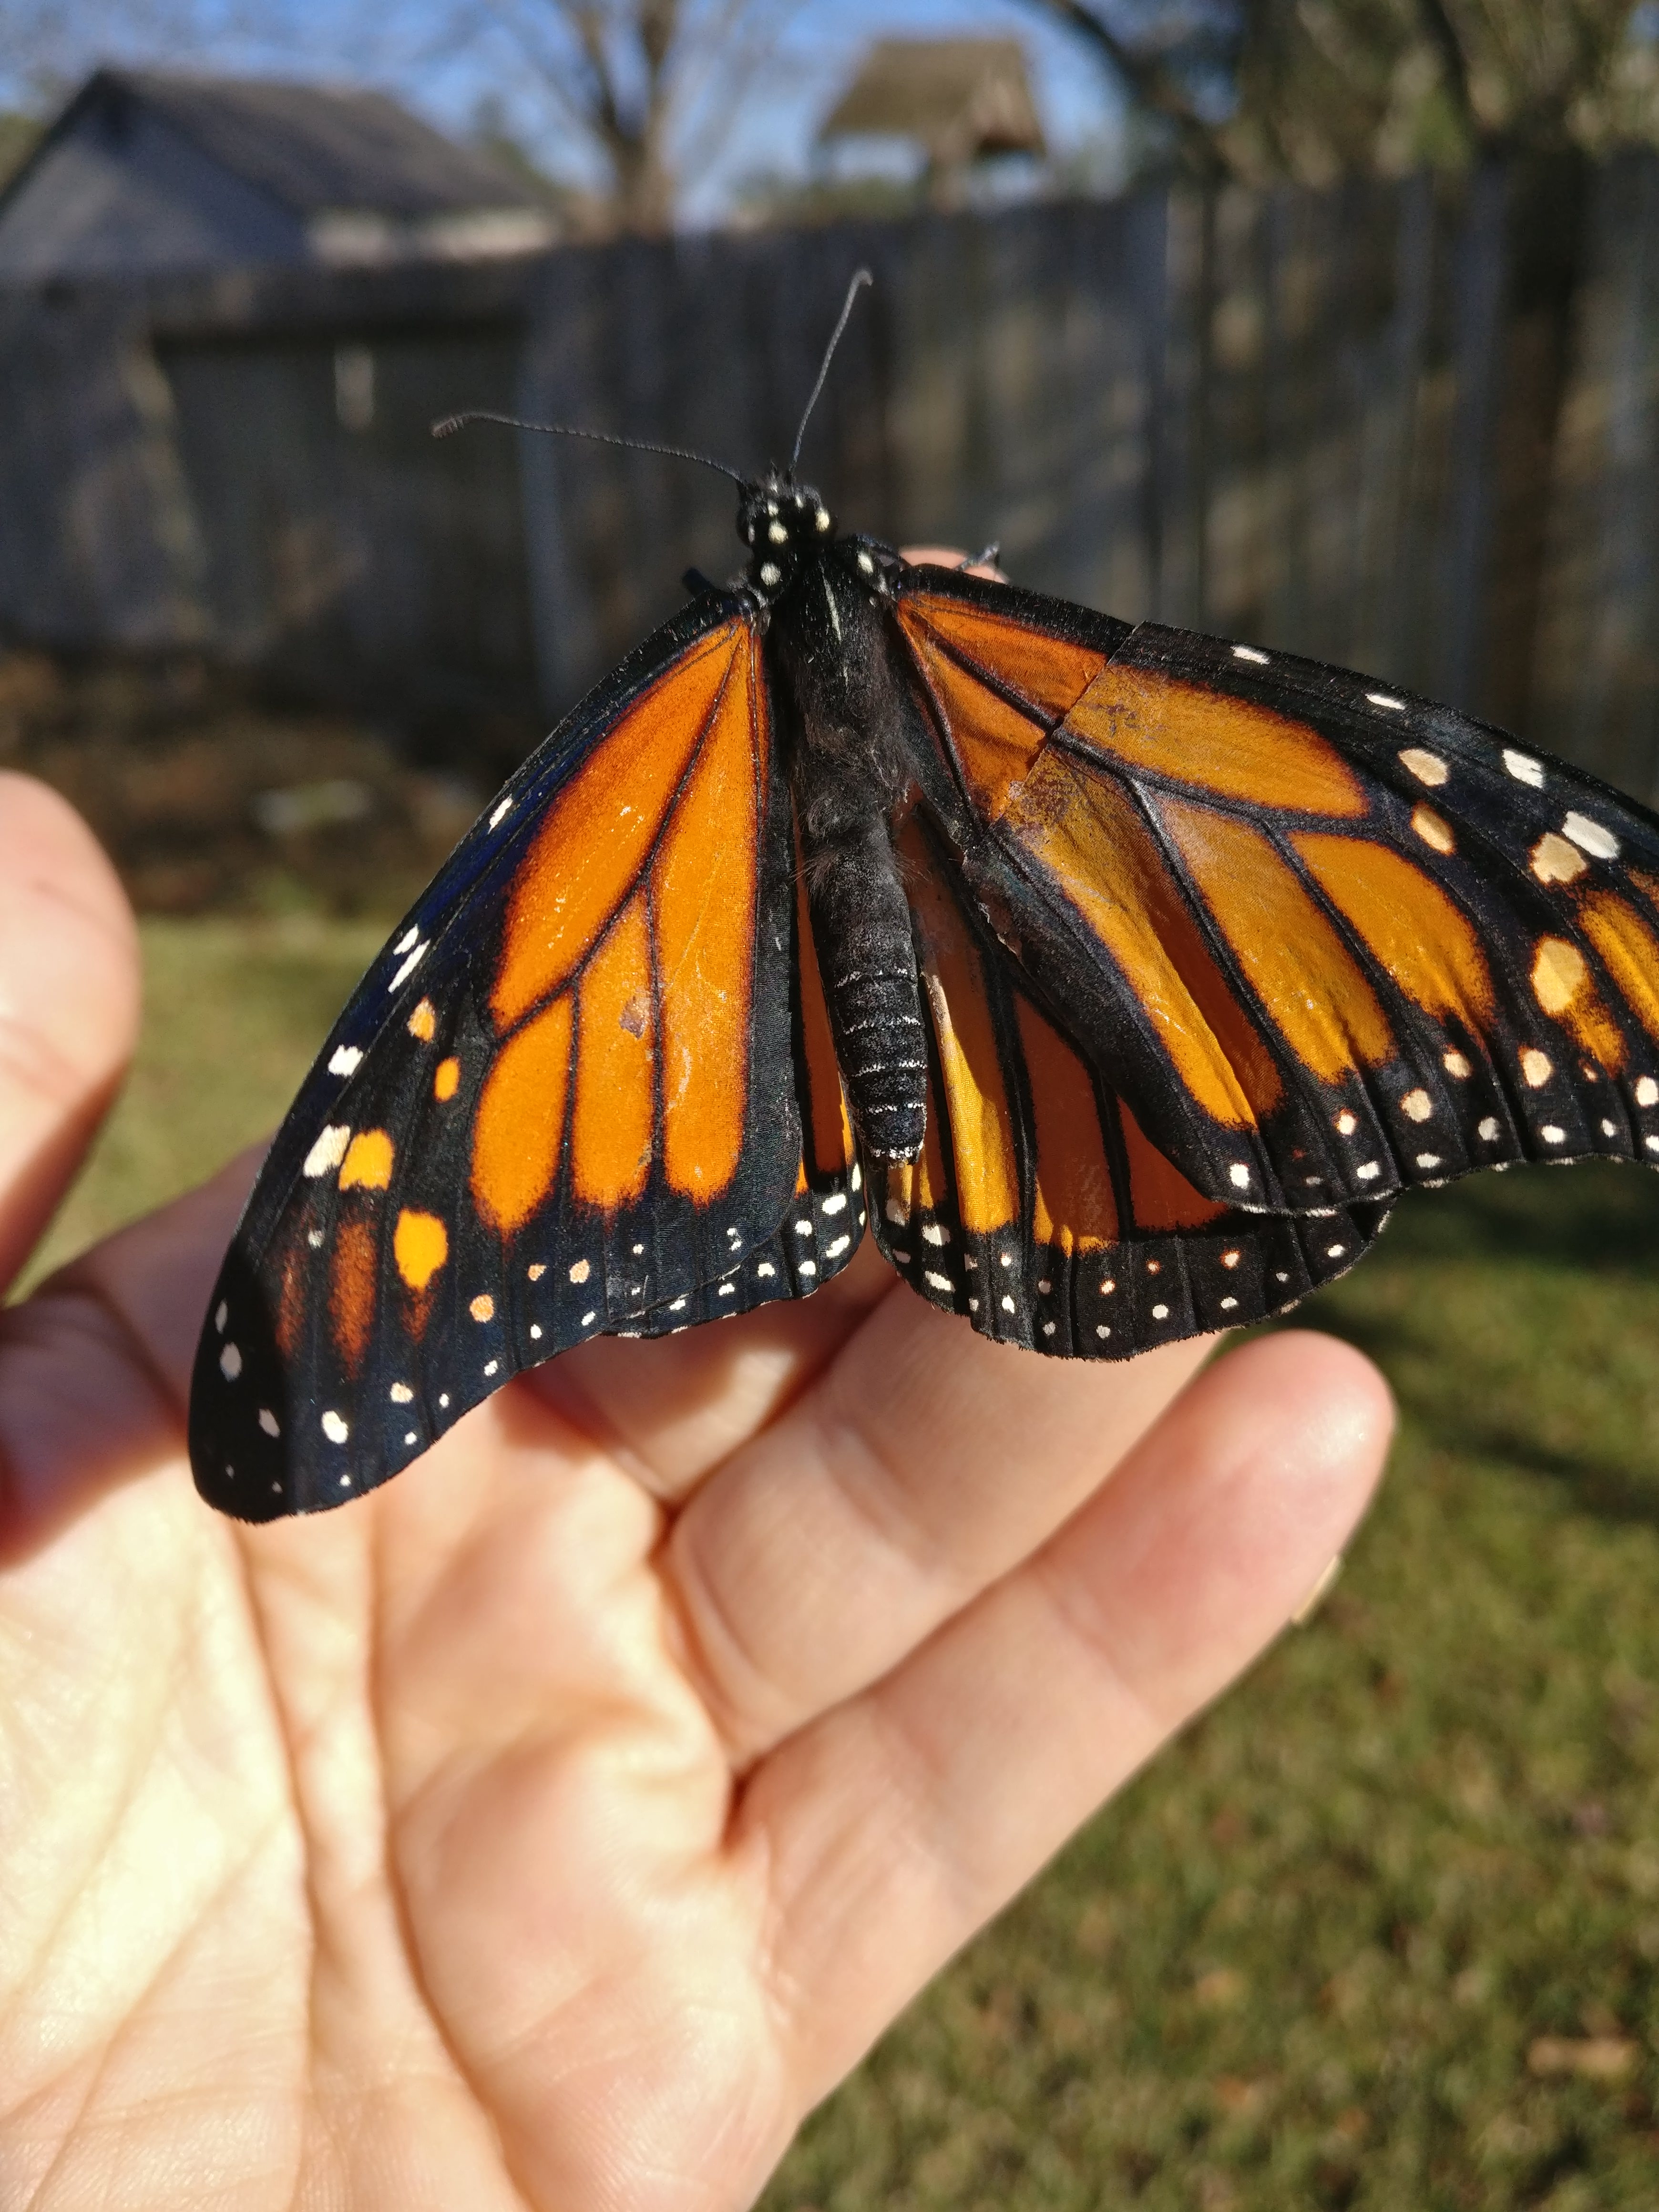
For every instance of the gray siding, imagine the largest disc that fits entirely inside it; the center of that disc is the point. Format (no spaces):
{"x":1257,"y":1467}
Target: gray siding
{"x":142,"y":202}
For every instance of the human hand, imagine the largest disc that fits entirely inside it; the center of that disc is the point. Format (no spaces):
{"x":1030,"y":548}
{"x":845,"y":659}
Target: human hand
{"x":555,"y":1826}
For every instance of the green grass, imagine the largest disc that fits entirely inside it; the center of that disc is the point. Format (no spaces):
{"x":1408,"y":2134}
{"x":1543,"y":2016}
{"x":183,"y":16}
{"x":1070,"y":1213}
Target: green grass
{"x":1316,"y":1956}
{"x":234,"y":1012}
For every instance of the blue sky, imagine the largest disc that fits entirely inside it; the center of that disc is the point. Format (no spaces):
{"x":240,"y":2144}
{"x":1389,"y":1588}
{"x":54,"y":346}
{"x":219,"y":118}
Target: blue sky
{"x":399,"y":45}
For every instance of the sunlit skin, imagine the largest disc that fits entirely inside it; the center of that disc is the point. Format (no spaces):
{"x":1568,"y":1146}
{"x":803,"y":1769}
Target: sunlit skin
{"x":556,"y":1826}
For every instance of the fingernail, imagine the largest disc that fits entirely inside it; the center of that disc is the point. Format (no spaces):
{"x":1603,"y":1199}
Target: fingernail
{"x":1317,"y":1595}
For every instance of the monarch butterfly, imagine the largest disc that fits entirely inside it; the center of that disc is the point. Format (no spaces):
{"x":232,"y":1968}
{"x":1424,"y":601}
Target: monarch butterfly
{"x":1117,"y":979}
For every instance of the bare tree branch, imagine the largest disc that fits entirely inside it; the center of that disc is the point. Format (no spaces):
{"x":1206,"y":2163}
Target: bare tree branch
{"x":1146,"y":76}
{"x":650,"y":85}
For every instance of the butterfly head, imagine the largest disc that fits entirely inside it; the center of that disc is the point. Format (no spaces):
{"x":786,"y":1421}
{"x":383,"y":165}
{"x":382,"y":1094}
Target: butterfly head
{"x":779,"y":521}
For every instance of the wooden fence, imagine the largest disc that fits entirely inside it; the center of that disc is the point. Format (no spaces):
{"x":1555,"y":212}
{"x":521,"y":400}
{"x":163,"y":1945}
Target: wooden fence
{"x":1411,"y":427}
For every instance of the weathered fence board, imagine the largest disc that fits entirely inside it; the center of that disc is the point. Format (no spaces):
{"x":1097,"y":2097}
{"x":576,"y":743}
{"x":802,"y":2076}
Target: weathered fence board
{"x":1413,"y":426}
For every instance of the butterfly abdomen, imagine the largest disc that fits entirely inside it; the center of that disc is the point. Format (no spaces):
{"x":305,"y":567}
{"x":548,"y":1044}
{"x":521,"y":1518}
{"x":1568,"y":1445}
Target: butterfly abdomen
{"x":861,"y":928}
{"x":848,"y":774}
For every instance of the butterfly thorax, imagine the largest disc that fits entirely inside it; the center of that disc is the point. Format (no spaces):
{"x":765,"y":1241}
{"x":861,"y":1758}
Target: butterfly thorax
{"x":780,"y":520}
{"x":844,"y":714}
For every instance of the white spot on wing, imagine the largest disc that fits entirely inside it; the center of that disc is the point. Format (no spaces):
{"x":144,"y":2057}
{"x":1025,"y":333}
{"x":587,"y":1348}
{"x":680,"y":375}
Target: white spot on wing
{"x":500,"y":813}
{"x":939,"y":1282}
{"x":1250,"y":652}
{"x":1240,"y":1176}
{"x":329,"y":1150}
{"x":334,"y":1428}
{"x":410,"y":937}
{"x":834,"y":1251}
{"x":268,"y":1422}
{"x":1591,"y":838}
{"x":222,"y":1312}
{"x":1488,"y":1132}
{"x":408,"y":968}
{"x":1425,"y":765}
{"x":1524,"y":768}
{"x":1647,"y":1092}
{"x":1385,"y":699}
{"x":345,"y":1060}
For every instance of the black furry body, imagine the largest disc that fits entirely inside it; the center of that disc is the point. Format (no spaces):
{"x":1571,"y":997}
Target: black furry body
{"x":846,"y":719}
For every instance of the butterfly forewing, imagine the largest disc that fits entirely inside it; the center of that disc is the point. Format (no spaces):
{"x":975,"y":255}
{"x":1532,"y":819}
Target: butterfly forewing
{"x":1330,"y":941}
{"x":565,"y":1099}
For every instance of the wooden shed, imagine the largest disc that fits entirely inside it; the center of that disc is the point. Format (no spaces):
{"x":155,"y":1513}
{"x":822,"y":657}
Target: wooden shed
{"x":144,"y":173}
{"x":961,"y":100}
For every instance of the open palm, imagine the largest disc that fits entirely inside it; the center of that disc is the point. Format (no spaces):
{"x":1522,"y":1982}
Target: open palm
{"x":555,"y":1826}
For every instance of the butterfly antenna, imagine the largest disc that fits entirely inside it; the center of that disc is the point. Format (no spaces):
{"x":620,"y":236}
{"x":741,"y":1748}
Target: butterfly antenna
{"x":860,"y":278}
{"x":450,"y":423}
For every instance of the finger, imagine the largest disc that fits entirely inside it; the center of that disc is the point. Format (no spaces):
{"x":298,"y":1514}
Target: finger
{"x":155,"y":1276}
{"x":951,"y":556}
{"x":68,"y":1003}
{"x":898,"y":1824}
{"x":920,"y":1468}
{"x":94,"y":1368}
{"x":671,"y":1411}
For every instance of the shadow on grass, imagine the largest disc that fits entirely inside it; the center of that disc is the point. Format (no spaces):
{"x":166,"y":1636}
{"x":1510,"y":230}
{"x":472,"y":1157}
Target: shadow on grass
{"x":1602,"y":1217}
{"x":1552,"y":1258}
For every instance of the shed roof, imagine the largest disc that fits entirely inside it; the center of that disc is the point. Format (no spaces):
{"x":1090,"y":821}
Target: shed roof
{"x":960,"y":98}
{"x":313,"y":148}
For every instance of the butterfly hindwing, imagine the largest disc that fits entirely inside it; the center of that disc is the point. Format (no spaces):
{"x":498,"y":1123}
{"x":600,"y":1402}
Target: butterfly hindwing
{"x":569,"y":1096}
{"x":1038,"y":1208}
{"x":1333,"y":941}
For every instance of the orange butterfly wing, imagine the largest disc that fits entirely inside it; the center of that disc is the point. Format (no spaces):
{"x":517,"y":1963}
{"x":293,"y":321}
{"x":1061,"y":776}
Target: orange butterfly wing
{"x":1327,"y":941}
{"x":1038,"y":1208}
{"x":584,"y":1089}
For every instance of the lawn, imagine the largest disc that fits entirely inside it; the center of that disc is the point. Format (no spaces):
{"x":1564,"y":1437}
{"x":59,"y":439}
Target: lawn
{"x":1383,"y":1930}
